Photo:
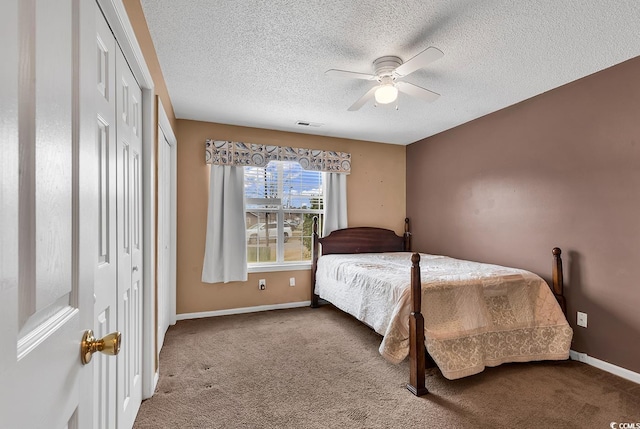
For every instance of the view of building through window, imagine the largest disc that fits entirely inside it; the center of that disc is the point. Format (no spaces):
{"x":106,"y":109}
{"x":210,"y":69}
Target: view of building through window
{"x":281,"y":201}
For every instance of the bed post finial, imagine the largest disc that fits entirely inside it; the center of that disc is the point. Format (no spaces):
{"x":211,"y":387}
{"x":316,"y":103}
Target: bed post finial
{"x":417,"y":354}
{"x":315,"y":248}
{"x":558,"y":281}
{"x":407,"y":235}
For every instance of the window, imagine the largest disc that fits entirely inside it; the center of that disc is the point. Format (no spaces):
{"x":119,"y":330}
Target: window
{"x":281,"y":201}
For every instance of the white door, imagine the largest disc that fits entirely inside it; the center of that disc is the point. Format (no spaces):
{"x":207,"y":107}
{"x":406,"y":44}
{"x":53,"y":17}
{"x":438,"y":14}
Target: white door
{"x":48,"y":246}
{"x":129,"y":241}
{"x":164,"y":237}
{"x":105,"y":307}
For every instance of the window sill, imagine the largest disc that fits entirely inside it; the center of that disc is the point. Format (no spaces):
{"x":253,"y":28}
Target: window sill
{"x":295,"y":266}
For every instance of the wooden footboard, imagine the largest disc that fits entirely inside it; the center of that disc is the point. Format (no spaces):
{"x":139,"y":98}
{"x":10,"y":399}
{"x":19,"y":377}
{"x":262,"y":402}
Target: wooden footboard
{"x":379,"y":240}
{"x":417,"y":352}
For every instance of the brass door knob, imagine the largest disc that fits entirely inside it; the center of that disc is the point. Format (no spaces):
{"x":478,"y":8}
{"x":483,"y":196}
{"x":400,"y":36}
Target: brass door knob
{"x":109,"y":345}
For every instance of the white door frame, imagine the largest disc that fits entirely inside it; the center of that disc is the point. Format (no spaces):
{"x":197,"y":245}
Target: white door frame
{"x":116,"y":15}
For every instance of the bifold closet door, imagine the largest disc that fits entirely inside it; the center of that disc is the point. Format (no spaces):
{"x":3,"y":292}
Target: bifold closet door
{"x":118,"y":297}
{"x":129,"y":241}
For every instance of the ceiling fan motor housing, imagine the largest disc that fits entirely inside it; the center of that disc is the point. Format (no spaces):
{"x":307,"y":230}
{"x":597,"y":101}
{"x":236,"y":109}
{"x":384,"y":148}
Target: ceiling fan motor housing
{"x":384,"y":66}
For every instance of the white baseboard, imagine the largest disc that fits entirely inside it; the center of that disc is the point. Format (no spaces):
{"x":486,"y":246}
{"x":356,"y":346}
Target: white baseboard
{"x":185,"y":316}
{"x":156,"y":378}
{"x":605,"y":366}
{"x":154,"y":384}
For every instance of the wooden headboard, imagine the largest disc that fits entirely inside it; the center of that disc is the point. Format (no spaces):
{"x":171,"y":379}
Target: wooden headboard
{"x":356,"y":240}
{"x":363,"y":239}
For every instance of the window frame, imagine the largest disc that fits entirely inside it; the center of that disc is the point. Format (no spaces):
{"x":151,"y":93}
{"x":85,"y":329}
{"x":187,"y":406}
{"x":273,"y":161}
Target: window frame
{"x":275,"y":205}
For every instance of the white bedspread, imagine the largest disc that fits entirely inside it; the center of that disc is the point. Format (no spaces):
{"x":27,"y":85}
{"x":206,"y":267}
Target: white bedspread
{"x":476,"y":315}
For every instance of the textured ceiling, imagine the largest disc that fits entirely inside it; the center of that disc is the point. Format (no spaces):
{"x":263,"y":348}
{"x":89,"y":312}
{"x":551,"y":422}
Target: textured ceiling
{"x":262,"y":63}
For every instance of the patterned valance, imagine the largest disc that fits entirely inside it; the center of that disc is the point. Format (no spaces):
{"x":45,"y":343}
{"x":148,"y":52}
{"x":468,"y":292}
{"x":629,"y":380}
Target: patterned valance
{"x":219,"y":152}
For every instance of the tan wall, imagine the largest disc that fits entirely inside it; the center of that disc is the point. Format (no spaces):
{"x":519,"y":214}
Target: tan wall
{"x":561,"y":169}
{"x":375,"y":192}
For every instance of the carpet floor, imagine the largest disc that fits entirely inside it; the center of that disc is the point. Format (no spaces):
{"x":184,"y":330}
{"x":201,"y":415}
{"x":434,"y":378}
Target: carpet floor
{"x":320,"y":368}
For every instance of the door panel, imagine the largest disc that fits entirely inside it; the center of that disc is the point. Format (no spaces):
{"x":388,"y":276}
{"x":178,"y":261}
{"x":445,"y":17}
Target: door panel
{"x":105,"y":307}
{"x":47,"y":246}
{"x":46,"y":152}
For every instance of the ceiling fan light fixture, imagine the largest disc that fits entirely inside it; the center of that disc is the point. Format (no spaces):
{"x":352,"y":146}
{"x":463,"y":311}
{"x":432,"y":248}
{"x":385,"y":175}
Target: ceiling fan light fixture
{"x":386,"y":94}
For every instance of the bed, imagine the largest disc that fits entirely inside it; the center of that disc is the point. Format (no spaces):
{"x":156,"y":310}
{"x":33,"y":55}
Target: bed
{"x":463,"y":315}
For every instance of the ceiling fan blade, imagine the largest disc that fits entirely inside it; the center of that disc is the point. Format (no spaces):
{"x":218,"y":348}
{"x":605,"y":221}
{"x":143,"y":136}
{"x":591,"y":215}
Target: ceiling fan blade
{"x":417,"y":91}
{"x":363,"y":100}
{"x":421,"y":60}
{"x":349,"y":75}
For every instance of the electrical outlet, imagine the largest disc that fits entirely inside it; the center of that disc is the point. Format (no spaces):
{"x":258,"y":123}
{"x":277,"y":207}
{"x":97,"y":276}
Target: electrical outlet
{"x":292,"y":281}
{"x":262,"y":284}
{"x":582,"y":319}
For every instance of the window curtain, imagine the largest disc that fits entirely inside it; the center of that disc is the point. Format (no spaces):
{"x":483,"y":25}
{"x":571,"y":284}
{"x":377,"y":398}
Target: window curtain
{"x":335,"y":202}
{"x":225,"y":256}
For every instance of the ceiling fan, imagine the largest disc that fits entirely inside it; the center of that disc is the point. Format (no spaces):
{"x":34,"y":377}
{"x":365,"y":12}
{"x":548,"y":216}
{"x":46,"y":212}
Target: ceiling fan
{"x":388,"y":72}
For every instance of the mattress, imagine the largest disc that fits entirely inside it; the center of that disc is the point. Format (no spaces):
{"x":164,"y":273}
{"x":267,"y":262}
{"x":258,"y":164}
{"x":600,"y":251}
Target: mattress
{"x":476,"y":315}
